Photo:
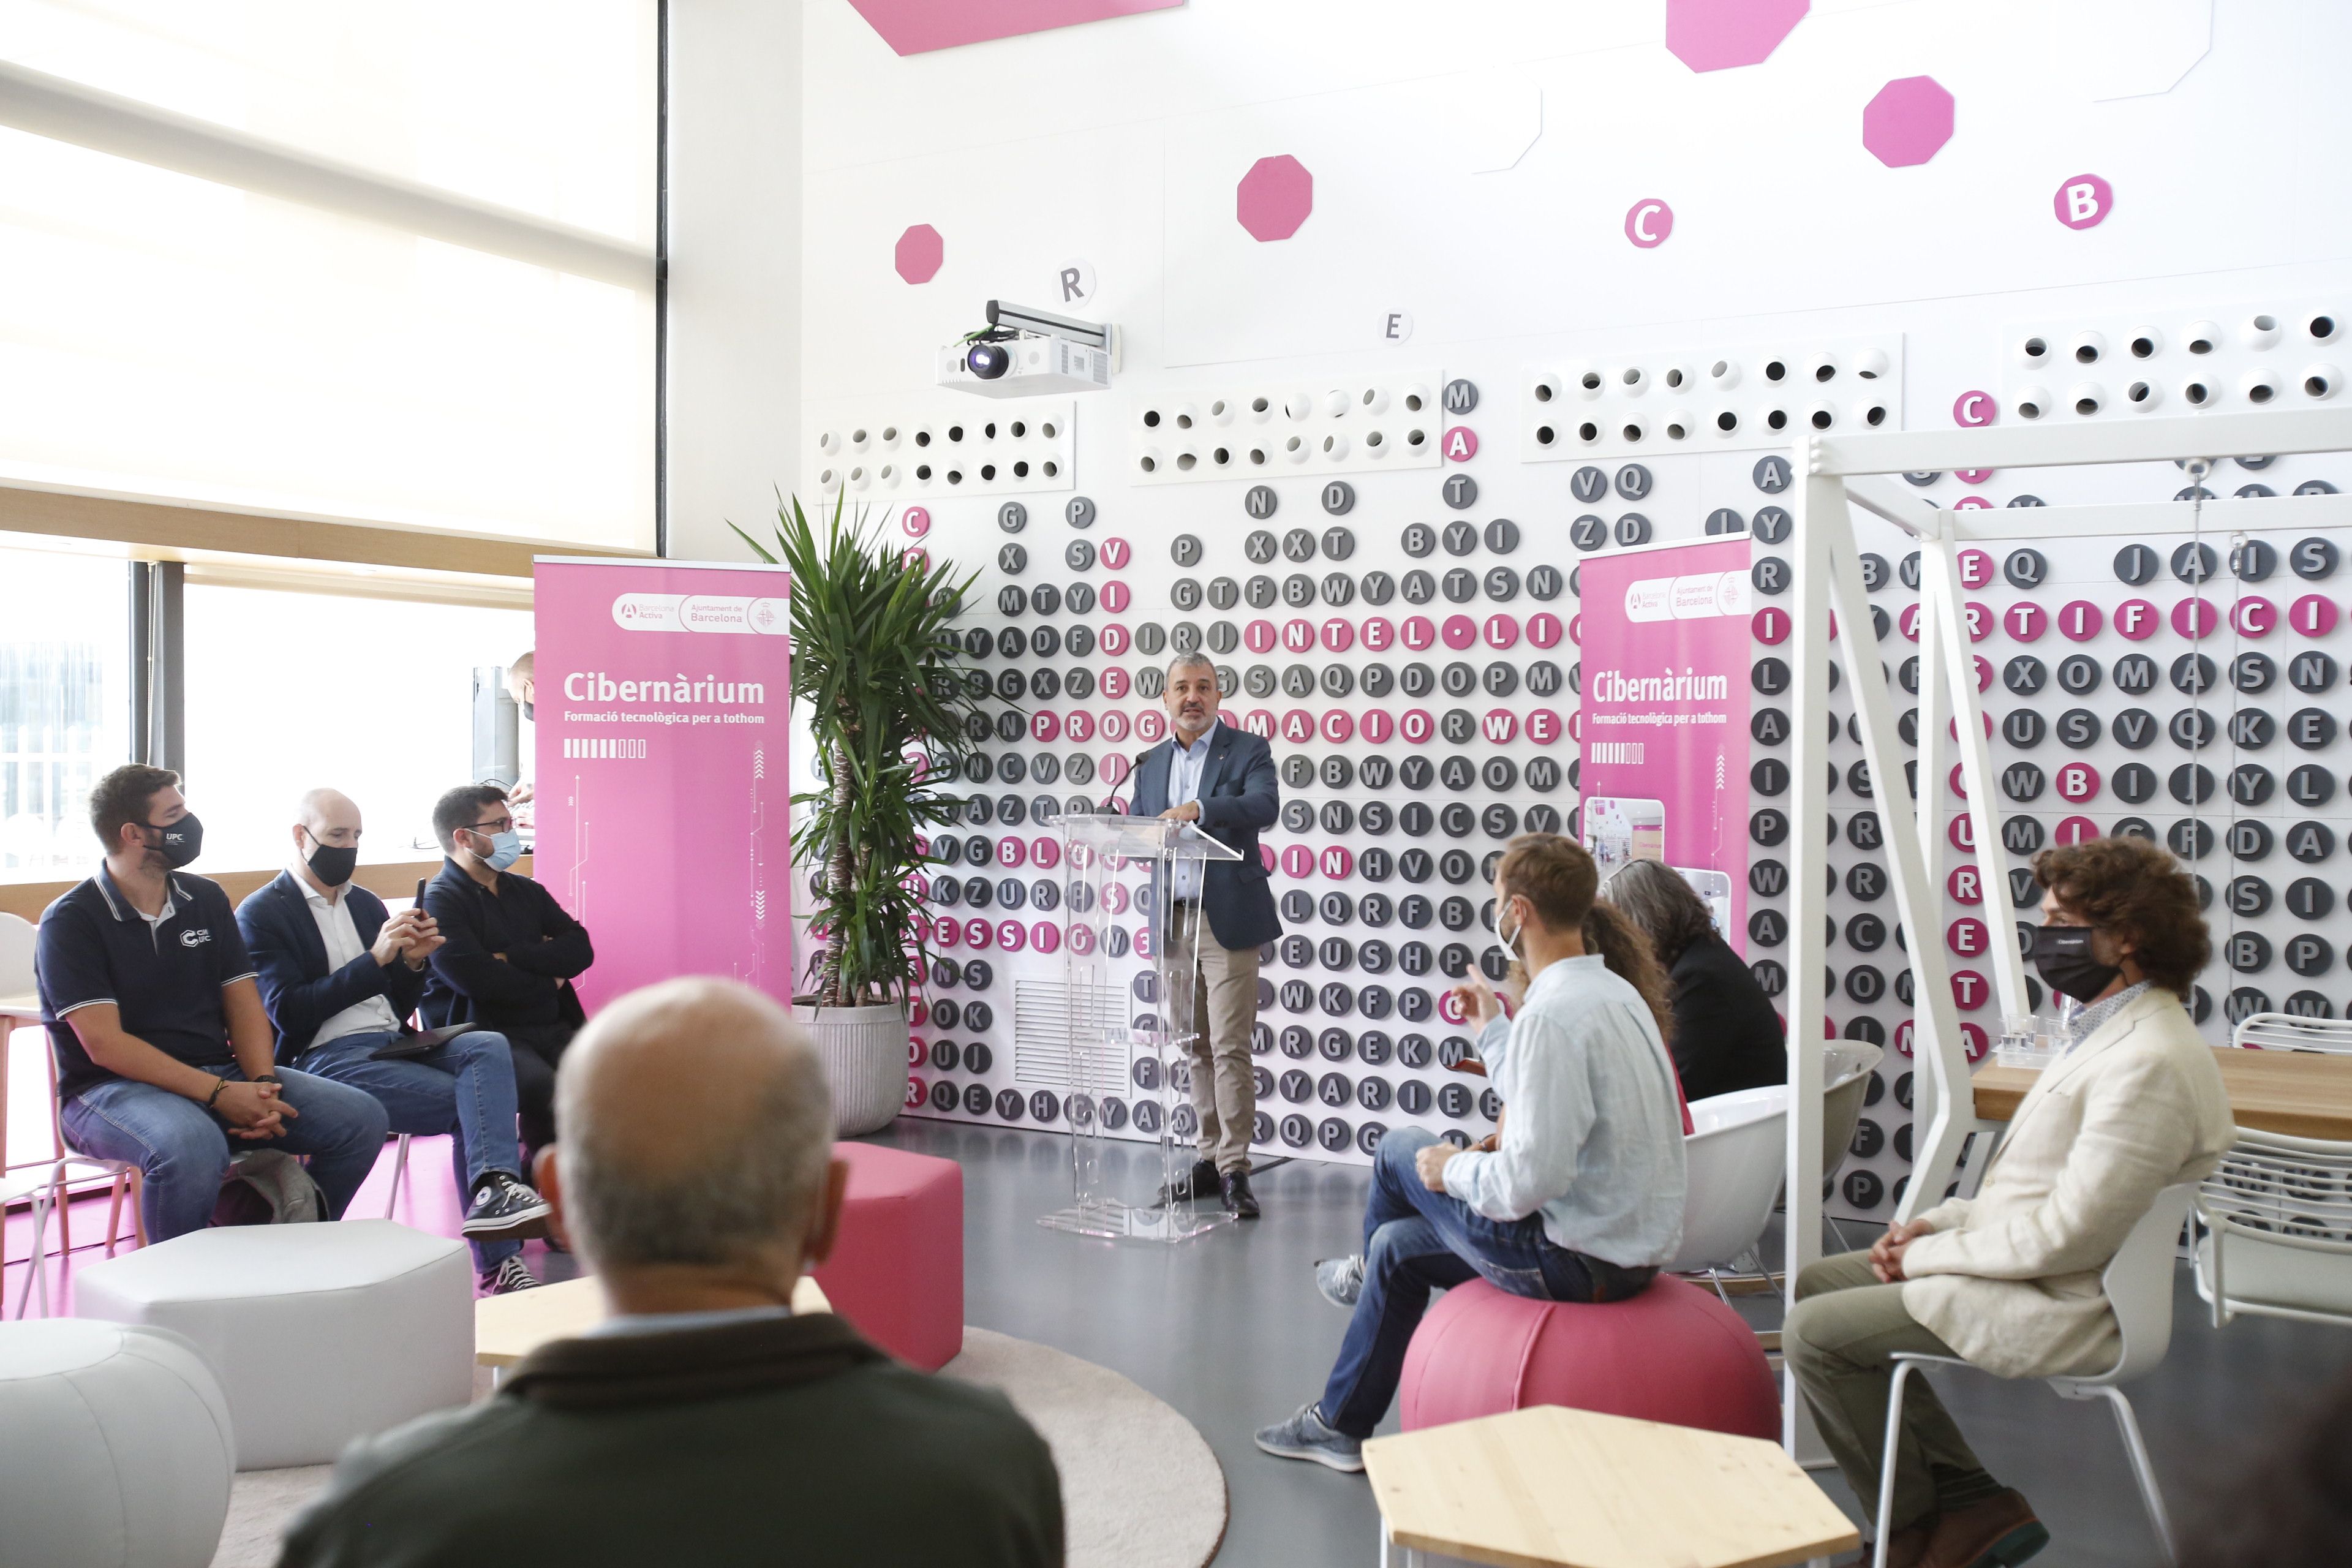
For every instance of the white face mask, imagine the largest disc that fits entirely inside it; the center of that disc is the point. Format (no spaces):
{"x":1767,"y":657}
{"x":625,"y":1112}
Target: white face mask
{"x":1511,"y":938}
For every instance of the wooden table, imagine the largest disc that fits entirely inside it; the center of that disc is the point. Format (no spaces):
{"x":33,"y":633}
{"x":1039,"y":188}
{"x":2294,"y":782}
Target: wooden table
{"x":1553,"y":1487}
{"x":509,"y":1328}
{"x":2303,"y":1094}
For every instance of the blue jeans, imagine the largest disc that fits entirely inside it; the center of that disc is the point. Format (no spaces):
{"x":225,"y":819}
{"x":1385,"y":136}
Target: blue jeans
{"x":183,"y":1150}
{"x":1417,"y":1241}
{"x":464,"y":1088}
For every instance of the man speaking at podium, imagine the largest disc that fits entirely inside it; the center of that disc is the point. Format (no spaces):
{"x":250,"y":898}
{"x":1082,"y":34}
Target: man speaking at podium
{"x":1222,"y":779}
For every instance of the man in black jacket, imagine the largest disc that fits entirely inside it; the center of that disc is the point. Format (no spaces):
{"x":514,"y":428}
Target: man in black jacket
{"x":339,"y":979}
{"x":508,"y":953}
{"x":703,"y":1422}
{"x":1222,"y":780}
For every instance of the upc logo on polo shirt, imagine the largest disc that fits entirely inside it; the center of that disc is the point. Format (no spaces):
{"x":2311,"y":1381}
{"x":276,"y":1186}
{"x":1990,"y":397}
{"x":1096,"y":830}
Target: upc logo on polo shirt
{"x":194,"y":938}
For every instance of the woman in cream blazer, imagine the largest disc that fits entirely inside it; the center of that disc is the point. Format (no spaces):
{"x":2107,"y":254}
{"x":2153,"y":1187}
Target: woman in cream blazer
{"x":2009,"y":1279}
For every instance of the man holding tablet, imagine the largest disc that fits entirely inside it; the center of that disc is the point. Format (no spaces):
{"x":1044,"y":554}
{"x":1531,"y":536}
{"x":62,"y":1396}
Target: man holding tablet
{"x":340,"y":976}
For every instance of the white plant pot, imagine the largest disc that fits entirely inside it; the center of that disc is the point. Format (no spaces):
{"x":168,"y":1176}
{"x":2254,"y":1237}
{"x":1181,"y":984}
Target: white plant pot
{"x":865,"y":1054}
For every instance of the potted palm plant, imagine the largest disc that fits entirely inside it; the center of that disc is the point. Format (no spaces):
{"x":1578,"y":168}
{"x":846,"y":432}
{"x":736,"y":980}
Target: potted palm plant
{"x":880,"y":677}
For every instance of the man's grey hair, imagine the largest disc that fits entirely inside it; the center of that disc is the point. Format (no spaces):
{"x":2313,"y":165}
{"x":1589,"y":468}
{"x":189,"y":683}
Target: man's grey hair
{"x":1188,"y":660}
{"x":738,"y":1165}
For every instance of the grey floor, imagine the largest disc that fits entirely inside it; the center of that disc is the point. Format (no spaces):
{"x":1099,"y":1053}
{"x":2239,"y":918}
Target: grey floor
{"x":1228,"y":1329}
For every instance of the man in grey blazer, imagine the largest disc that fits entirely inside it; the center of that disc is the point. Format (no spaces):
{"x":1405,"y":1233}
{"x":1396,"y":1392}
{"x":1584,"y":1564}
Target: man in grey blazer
{"x":1222,"y":779}
{"x":2009,"y":1279}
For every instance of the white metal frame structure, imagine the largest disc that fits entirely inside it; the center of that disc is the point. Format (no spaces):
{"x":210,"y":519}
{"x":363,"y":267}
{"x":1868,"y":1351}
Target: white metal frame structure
{"x":1834,"y":474}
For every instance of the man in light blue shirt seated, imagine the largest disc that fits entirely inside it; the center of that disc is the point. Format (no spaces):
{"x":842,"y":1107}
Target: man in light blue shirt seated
{"x":1580,"y":1196}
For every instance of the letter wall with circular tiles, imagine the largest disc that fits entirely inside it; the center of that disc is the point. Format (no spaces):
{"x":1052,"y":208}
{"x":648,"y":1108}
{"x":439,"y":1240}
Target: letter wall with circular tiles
{"x":1399,"y":351}
{"x":1409,"y":644}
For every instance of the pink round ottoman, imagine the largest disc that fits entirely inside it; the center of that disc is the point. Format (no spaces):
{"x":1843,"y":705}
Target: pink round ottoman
{"x":1673,"y":1354}
{"x":896,"y":1268}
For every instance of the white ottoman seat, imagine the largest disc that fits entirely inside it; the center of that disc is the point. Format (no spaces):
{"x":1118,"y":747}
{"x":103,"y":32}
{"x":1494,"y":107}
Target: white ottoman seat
{"x":319,"y":1333}
{"x":115,"y":1450}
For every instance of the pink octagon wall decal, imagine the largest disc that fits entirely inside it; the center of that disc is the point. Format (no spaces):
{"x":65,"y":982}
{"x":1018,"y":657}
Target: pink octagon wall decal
{"x":1909,"y":122}
{"x":2084,"y":201}
{"x":1275,"y":197}
{"x":1716,"y":34}
{"x":921,"y":252}
{"x":918,"y":27}
{"x":1648,"y":222}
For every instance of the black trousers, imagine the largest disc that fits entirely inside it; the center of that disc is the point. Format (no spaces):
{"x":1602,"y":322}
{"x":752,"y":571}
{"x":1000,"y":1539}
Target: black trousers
{"x":537,"y":1048}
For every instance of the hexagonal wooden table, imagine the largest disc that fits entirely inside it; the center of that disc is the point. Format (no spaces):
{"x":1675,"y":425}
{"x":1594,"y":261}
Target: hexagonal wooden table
{"x":507,"y":1329}
{"x":1552,"y":1488}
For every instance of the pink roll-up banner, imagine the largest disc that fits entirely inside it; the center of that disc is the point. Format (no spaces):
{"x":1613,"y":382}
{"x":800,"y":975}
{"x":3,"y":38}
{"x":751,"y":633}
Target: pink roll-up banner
{"x":1664,"y":717}
{"x":663,"y":798}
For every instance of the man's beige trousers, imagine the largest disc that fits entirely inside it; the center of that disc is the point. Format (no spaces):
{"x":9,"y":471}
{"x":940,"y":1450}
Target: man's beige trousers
{"x":1223,"y":990}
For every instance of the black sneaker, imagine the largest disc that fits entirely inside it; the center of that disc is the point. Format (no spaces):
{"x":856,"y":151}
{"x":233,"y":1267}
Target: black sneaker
{"x":509,"y":1278}
{"x":505,"y":1210}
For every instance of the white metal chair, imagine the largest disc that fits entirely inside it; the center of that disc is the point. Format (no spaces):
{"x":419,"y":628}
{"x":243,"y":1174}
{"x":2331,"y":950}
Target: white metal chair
{"x":2137,"y":1282}
{"x":2273,"y":1230}
{"x":2287,"y":1032}
{"x":36,"y":1185}
{"x":44,"y":1182}
{"x":1846,"y":1066}
{"x":399,"y":1173}
{"x":16,"y":937}
{"x":54,"y":1179}
{"x":1733,"y":1157}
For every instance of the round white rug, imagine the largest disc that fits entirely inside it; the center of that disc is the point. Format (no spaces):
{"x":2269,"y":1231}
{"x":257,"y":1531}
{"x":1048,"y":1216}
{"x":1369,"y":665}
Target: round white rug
{"x":1139,"y":1486}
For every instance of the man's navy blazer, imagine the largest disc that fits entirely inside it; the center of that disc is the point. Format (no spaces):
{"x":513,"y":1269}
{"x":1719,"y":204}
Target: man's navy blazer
{"x":298,"y":989}
{"x":1240,"y":797}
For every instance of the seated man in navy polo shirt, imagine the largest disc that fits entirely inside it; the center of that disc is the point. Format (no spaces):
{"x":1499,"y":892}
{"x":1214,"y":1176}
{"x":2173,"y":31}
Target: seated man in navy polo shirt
{"x":163,"y":1051}
{"x":508,"y":951}
{"x":340,"y":975}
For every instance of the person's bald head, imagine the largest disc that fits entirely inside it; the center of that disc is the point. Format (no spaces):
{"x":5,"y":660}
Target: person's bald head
{"x":696,"y":1130}
{"x":325,"y":817}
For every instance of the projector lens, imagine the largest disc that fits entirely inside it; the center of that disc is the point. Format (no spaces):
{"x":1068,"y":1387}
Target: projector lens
{"x":988,"y":360}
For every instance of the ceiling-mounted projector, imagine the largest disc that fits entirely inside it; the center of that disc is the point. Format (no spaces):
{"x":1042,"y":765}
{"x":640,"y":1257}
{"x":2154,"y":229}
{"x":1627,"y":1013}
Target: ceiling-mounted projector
{"x":1024,"y":352}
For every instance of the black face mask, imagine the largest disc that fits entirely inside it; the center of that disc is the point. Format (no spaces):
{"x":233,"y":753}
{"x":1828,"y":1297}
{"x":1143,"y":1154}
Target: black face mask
{"x":182,"y":841}
{"x":2061,"y":954}
{"x":331,"y":865}
{"x":531,"y":711}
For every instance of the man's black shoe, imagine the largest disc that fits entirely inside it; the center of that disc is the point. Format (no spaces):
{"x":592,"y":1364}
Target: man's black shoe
{"x":1200,"y":1181}
{"x":1238,"y":1197}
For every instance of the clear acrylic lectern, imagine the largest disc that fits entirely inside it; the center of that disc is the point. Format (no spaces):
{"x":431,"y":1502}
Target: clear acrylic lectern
{"x":1120,"y":870}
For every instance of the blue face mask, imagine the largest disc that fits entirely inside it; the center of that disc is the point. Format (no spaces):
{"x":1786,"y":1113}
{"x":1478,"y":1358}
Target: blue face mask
{"x":506,"y":848}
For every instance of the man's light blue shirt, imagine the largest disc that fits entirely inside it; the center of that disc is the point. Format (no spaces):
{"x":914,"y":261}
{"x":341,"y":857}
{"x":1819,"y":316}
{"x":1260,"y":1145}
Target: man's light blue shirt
{"x":2087,"y":1022}
{"x":1183,"y":784}
{"x":1592,"y":1134}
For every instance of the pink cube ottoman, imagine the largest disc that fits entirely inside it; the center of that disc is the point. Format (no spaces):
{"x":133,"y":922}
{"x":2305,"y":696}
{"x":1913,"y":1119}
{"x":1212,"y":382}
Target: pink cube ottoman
{"x":896,"y":1268}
